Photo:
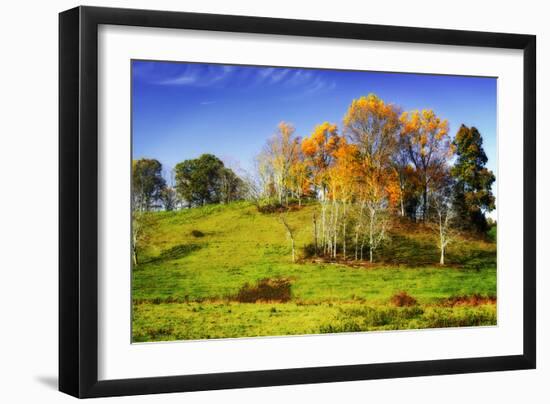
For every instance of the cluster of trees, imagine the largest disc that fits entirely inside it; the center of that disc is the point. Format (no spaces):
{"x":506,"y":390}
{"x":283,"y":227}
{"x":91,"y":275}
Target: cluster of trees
{"x":382,"y":162}
{"x":195,"y":182}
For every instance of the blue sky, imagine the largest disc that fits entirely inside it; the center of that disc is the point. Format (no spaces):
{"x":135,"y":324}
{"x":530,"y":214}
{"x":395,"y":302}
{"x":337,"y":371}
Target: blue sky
{"x":181,"y":110}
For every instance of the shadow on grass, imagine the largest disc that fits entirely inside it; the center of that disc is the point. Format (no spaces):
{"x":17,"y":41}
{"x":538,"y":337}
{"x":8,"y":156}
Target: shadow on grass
{"x":403,"y":250}
{"x":475,"y":259}
{"x":176,"y":252}
{"x":420,"y":250}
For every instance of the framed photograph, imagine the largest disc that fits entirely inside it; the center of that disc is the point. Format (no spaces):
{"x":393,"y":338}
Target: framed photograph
{"x":251,"y":201}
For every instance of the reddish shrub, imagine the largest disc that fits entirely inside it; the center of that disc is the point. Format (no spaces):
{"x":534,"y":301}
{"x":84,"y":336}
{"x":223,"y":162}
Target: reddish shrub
{"x":403,"y":299}
{"x":267,"y":290}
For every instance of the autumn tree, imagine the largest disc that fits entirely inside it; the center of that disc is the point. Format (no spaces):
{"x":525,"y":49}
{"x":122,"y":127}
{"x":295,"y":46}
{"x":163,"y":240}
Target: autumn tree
{"x":147,"y":183}
{"x":342,"y":177}
{"x":372,"y":126}
{"x":429,"y":147}
{"x":281,"y":153}
{"x":318,"y":150}
{"x":472,"y":191}
{"x":300,"y":181}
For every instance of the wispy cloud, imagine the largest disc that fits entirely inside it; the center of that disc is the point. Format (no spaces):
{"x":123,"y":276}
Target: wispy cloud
{"x":182,"y":80}
{"x":246,"y":77}
{"x":308,"y":81}
{"x":207,"y":102}
{"x":197,"y":75}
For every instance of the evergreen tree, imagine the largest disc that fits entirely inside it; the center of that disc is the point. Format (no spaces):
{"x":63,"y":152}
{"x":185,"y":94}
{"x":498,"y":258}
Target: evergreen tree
{"x":472,"y":191}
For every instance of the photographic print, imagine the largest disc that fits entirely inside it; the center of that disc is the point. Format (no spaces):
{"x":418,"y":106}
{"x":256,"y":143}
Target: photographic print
{"x":276,"y":201}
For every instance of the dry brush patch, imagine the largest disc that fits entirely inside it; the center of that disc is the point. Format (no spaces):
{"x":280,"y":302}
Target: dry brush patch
{"x":403,"y":299}
{"x":265,"y":290}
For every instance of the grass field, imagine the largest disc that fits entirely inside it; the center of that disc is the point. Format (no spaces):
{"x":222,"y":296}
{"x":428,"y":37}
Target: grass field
{"x":197,"y":262}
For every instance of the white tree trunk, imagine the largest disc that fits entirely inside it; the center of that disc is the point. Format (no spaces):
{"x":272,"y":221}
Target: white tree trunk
{"x":315,"y":239}
{"x":371,"y":234}
{"x":335,"y":230}
{"x":290,"y":233}
{"x":344,"y":232}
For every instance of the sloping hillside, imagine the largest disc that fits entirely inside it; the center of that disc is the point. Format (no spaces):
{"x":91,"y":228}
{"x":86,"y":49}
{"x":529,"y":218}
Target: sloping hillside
{"x":195,"y":262}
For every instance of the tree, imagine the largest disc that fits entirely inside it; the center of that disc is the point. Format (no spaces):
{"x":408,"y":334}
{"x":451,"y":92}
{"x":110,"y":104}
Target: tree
{"x":141,"y":222}
{"x":231,"y":187}
{"x":372,"y":126}
{"x":318,"y":150}
{"x":412,"y":194}
{"x":147,"y":183}
{"x":444,"y":217}
{"x":206,"y":180}
{"x":300,"y":181}
{"x":169,"y":198}
{"x":429,"y":147}
{"x":400,"y":162}
{"x":290,"y":233}
{"x":472,"y":191}
{"x":281,"y":153}
{"x":262,"y":183}
{"x":343,"y":179}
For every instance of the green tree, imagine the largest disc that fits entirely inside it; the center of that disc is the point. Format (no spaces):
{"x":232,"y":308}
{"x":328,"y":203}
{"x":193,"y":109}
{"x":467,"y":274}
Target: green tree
{"x":147,"y":183}
{"x":206,"y":180}
{"x":472,"y":190}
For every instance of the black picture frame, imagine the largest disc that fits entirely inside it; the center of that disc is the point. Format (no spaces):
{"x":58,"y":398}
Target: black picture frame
{"x":78,"y":201}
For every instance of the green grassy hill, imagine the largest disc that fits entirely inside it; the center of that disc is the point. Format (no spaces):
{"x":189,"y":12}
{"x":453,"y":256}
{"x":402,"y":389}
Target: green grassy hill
{"x":195,"y":262}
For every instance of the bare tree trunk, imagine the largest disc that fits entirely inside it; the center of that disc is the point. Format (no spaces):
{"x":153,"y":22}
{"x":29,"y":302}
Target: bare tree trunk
{"x":134,"y":255}
{"x":371,"y":234}
{"x":324,"y":231}
{"x":135,"y":235}
{"x":358,"y":229}
{"x":370,"y":254}
{"x":441,"y":241}
{"x":356,"y":243}
{"x":315,"y":233}
{"x":290,"y":233}
{"x":335,"y":246}
{"x":344,"y":231}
